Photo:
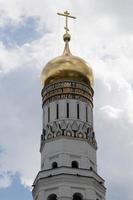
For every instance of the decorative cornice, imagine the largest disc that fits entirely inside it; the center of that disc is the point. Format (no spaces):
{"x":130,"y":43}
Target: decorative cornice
{"x":68,"y":171}
{"x":72,"y":129}
{"x":67,"y":90}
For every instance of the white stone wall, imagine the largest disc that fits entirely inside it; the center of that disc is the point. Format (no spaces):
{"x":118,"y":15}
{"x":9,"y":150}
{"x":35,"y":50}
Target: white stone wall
{"x":65,"y":186}
{"x":65,"y":150}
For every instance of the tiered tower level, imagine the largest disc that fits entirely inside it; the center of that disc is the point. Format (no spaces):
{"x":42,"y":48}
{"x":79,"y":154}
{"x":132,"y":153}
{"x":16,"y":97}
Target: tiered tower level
{"x":68,"y":145}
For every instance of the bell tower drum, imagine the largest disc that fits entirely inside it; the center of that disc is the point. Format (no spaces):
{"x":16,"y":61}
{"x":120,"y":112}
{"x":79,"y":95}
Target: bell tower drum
{"x":68,"y":145}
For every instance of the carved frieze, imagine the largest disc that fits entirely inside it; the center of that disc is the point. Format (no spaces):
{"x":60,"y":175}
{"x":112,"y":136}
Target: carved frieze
{"x":69,"y":129}
{"x":67,"y":90}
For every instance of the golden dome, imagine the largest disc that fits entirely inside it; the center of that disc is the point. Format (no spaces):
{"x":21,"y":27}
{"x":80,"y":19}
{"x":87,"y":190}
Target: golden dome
{"x":67,"y":67}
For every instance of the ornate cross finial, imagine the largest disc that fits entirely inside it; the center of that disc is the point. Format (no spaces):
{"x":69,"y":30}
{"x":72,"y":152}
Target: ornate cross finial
{"x":67,"y":15}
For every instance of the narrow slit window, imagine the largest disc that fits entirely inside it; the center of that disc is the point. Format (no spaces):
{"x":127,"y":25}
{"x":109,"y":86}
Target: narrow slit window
{"x":48,"y":114}
{"x":57,"y":111}
{"x":86,"y":114}
{"x":78,"y":111}
{"x":67,"y":110}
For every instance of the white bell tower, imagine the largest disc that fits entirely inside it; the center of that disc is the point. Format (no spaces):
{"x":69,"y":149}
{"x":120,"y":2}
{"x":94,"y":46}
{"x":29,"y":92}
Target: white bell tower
{"x":68,"y":145}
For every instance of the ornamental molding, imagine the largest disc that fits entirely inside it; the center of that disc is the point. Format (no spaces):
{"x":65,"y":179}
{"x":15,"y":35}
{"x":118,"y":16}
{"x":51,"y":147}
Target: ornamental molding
{"x":67,"y":90}
{"x":73,"y":128}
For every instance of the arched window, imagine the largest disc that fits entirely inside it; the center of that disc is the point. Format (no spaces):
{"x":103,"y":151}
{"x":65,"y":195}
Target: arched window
{"x":91,"y":168}
{"x":75,"y":164}
{"x":54,"y":165}
{"x":77,"y":196}
{"x":52,"y":197}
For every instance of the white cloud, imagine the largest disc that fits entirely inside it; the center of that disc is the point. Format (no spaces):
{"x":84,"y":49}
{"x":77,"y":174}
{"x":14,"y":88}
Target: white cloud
{"x":111,"y":112}
{"x":19,"y":138}
{"x":5,"y":180}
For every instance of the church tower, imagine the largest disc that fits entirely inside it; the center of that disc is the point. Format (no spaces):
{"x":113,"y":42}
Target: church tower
{"x":68,"y":145}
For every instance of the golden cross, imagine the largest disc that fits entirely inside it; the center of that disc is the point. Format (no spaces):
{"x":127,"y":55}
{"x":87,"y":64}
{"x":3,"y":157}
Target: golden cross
{"x":67,"y":15}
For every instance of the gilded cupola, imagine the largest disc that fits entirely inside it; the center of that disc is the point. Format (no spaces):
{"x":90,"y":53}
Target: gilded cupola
{"x":67,"y":66}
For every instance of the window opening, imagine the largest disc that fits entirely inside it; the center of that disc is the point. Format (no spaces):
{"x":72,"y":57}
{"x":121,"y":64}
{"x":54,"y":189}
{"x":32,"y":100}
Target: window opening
{"x":48,"y":114}
{"x":91,"y":168}
{"x":86,"y":114}
{"x":52,"y":197}
{"x":75,"y":164}
{"x":78,"y":111}
{"x":57,"y":111}
{"x":67,"y":110}
{"x":54,"y":165}
{"x":77,"y":196}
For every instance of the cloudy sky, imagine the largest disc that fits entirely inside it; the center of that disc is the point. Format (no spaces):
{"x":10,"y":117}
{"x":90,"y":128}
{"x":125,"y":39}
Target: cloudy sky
{"x":30,"y":35}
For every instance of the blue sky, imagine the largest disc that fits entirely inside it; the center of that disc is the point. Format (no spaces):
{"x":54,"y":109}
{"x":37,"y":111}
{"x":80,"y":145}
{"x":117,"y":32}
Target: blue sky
{"x":15,"y":191}
{"x":19,"y":34}
{"x":31,"y":35}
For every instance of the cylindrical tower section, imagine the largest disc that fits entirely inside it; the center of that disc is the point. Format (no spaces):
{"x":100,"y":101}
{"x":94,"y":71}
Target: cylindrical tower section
{"x":67,"y":103}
